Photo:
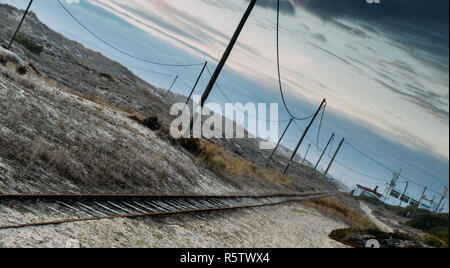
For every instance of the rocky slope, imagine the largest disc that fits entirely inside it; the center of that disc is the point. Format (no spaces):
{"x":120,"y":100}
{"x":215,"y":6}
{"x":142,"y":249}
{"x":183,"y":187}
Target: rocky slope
{"x":72,"y":130}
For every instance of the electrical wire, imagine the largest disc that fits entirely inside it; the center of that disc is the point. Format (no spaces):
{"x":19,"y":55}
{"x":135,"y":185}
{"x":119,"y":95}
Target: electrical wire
{"x":360,"y":173}
{"x":230,"y":101}
{"x":119,"y":50}
{"x":279,"y":68}
{"x":385,"y":167}
{"x":320,"y":125}
{"x":369,"y":157}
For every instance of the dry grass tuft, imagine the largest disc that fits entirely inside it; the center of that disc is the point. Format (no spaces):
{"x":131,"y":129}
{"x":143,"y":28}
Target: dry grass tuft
{"x":228,"y":166}
{"x":222,"y":163}
{"x":18,"y":76}
{"x":334,"y":209}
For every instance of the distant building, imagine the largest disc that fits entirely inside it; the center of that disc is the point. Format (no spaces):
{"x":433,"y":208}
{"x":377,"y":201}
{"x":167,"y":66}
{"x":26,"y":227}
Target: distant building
{"x":361,"y":190}
{"x":414,"y":203}
{"x":405,"y":198}
{"x":395,"y":194}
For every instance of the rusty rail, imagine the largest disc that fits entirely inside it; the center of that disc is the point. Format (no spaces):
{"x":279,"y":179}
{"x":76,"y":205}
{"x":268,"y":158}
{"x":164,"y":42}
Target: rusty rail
{"x":113,"y":206}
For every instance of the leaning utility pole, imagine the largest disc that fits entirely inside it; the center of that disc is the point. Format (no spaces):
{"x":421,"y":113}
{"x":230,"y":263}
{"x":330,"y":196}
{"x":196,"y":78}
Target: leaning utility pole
{"x":442,"y":198}
{"x":281,"y":138}
{"x":195,"y":85}
{"x":404,"y":192}
{"x":324,"y":150}
{"x":20,"y":24}
{"x":422,"y":196}
{"x":307,"y":151}
{"x":174,"y":81}
{"x":432,"y":202}
{"x":392,"y":184}
{"x":334,"y":157}
{"x":304,"y":135}
{"x":227,"y":53}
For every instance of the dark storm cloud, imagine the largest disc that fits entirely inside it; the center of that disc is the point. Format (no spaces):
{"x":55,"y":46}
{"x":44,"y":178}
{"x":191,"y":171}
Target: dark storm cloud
{"x":425,"y":12}
{"x":350,"y":29}
{"x":419,"y":26}
{"x":286,"y":6}
{"x":434,"y":12}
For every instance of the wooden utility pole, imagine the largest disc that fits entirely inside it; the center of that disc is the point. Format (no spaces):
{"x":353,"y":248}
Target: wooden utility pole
{"x":392,"y":184}
{"x":307,"y":151}
{"x":174,"y":81}
{"x":432,"y":202}
{"x":324,"y":150}
{"x":404,"y":192}
{"x":279,"y":141}
{"x":20,"y":24}
{"x":334,"y":157}
{"x":195,"y":85}
{"x":442,"y":198}
{"x":303,"y":136}
{"x":422,"y":196}
{"x":227,"y":53}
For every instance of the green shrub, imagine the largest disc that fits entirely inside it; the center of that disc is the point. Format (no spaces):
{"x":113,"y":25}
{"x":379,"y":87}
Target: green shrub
{"x":152,"y":122}
{"x":428,"y":222}
{"x":21,"y":70}
{"x":29,"y":44}
{"x":433,"y":241}
{"x":434,"y":224}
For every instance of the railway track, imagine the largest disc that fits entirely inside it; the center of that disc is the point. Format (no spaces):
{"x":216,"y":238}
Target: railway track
{"x":57,"y":209}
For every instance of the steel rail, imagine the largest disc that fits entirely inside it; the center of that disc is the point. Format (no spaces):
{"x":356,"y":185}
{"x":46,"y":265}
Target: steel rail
{"x":237,"y":204}
{"x":130,"y":196}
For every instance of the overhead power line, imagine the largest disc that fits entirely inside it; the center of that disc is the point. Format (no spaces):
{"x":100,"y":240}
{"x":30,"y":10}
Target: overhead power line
{"x":361,"y":173}
{"x":282,"y":93}
{"x":320,"y":125}
{"x":230,"y":101}
{"x":369,"y":157}
{"x":147,"y":70}
{"x":120,"y":50}
{"x":385,"y":167}
{"x":279,"y":68}
{"x":218,"y":87}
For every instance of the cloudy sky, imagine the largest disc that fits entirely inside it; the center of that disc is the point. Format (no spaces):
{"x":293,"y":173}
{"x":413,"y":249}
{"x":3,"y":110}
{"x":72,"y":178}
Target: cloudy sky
{"x":385,"y":64}
{"x":384,"y":68}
